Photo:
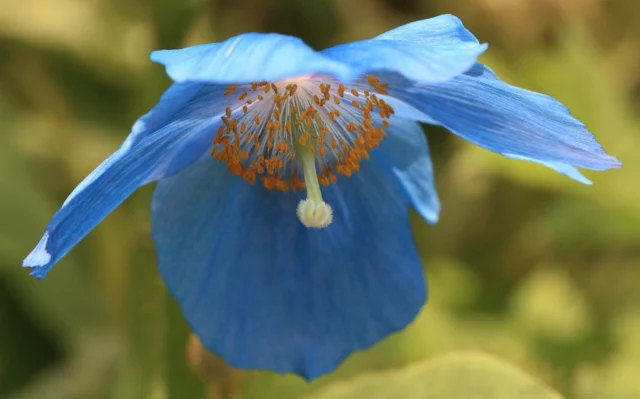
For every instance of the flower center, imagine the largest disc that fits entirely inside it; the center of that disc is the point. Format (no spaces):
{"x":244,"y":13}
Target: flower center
{"x":300,"y":133}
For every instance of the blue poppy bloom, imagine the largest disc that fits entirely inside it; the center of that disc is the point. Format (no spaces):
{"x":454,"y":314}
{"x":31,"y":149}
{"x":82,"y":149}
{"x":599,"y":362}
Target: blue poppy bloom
{"x":285,"y":175}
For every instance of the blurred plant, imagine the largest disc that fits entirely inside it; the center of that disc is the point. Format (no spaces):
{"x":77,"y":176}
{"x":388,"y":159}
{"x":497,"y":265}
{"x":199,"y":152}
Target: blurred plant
{"x":221,"y":380}
{"x":454,"y":376}
{"x":74,"y":75}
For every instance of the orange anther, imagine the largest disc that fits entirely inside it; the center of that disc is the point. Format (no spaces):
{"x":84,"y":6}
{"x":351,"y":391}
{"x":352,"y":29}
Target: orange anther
{"x":266,"y":141}
{"x":323,"y":180}
{"x":230,"y":89}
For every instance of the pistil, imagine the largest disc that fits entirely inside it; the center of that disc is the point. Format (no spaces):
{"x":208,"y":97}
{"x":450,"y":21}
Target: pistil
{"x":313,"y":212}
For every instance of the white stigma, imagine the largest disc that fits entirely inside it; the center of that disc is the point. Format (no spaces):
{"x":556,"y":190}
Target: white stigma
{"x":314,"y":214}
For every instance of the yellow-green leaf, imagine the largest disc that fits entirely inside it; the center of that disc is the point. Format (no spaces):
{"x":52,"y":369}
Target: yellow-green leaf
{"x":462,"y":375}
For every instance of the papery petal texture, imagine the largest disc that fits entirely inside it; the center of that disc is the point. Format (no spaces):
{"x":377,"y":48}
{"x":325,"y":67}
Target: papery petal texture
{"x":406,"y":154}
{"x":246,"y":58}
{"x":440,"y":49}
{"x":442,"y":31}
{"x":429,"y":51}
{"x":161,"y":142}
{"x":265,"y":292}
{"x":515,"y":122}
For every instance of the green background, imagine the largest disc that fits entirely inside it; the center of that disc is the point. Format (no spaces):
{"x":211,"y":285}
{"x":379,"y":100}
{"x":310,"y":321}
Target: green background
{"x":537,"y":270}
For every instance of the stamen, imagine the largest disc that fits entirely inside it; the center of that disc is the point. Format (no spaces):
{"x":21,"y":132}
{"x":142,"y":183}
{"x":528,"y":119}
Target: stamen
{"x":278,"y":133}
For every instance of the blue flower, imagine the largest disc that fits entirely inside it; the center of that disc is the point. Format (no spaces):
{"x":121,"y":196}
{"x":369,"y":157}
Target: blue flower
{"x":285,"y":176}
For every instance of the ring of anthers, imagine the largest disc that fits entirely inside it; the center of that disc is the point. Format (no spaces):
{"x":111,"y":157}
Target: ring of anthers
{"x":299,"y":134}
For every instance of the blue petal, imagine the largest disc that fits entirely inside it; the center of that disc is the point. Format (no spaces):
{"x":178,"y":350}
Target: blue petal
{"x":161,"y":142}
{"x":265,"y":292}
{"x":441,"y":31}
{"x":502,"y":118}
{"x":428,"y":51}
{"x":415,"y":61}
{"x":246,"y":58}
{"x":405,"y":152}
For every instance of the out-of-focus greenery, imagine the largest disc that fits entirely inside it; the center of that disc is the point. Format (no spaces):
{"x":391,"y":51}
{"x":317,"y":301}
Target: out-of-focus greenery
{"x":459,"y":375}
{"x":527,"y":265}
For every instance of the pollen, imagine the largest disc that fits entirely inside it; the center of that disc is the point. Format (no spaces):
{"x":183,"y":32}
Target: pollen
{"x":280,"y":134}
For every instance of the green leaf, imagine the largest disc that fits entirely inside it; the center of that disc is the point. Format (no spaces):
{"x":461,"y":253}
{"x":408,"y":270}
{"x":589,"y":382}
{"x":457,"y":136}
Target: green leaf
{"x":461,"y":375}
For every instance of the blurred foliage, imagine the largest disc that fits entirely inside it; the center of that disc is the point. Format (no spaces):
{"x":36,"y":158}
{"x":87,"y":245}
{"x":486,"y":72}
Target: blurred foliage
{"x":453,"y":376}
{"x":525,"y":264}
